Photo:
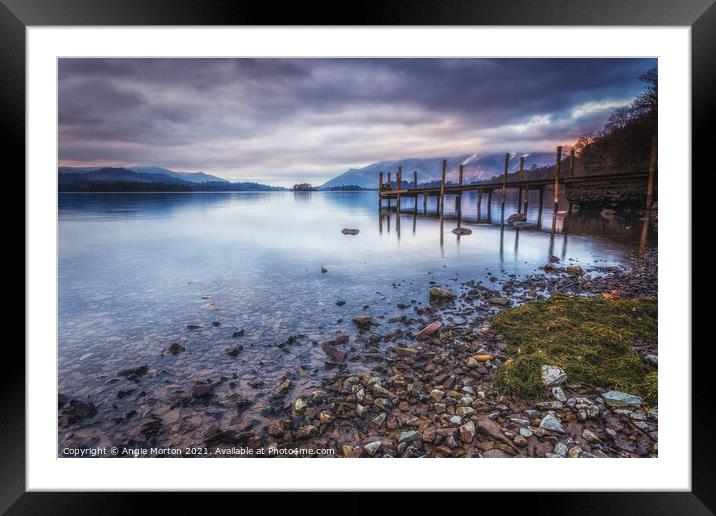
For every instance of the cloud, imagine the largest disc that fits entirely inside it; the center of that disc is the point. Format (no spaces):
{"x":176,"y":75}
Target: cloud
{"x":284,"y":120}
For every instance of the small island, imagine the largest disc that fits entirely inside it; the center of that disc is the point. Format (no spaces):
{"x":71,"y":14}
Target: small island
{"x":303,"y":187}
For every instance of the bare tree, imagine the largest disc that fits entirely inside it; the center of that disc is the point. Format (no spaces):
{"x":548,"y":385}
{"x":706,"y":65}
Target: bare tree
{"x":619,"y":118}
{"x":647,"y":102}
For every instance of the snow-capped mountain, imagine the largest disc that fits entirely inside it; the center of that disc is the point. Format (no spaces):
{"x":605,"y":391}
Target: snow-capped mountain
{"x":476,"y":167}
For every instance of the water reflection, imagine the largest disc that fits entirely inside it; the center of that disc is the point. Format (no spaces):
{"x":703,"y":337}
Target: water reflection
{"x":136,"y":269}
{"x":564,"y":218}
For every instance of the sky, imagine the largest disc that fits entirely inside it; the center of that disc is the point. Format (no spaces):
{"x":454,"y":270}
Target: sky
{"x":284,"y":121}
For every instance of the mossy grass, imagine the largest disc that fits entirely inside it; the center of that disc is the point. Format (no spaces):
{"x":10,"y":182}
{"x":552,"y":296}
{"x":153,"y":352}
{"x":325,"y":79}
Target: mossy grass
{"x":591,"y":338}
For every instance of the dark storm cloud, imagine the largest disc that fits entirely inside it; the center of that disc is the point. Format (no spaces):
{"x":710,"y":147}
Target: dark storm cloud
{"x":260,"y":118}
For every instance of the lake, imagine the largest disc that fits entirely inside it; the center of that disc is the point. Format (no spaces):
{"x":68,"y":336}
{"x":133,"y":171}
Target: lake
{"x":136,"y":269}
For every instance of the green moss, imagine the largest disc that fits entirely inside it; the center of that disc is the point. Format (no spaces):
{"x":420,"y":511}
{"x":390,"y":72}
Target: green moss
{"x":591,"y":338}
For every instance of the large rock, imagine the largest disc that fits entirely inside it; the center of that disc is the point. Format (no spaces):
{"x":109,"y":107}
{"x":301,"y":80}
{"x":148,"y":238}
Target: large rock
{"x":362,"y":321}
{"x":175,"y":348}
{"x":73,"y":411}
{"x":516,"y":217}
{"x":440,"y":294}
{"x":502,"y":301}
{"x":335,"y":354}
{"x":617,"y":399}
{"x":134,"y":372}
{"x":552,"y":375}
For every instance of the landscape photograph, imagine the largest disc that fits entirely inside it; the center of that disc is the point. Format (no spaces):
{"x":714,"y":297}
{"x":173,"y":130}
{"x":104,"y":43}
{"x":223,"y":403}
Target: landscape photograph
{"x":357,"y":258}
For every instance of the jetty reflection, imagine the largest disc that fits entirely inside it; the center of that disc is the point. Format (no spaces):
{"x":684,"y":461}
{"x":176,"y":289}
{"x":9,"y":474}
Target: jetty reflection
{"x":433,"y":215}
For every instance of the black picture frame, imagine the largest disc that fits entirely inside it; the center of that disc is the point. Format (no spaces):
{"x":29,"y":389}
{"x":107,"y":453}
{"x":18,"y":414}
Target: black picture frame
{"x":700,"y":15}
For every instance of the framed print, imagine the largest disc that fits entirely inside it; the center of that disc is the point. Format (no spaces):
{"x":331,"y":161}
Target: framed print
{"x":265,"y":254}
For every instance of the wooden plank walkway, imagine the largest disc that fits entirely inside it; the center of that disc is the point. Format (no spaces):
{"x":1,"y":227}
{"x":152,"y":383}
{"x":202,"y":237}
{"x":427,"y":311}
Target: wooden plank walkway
{"x":512,"y":183}
{"x":522,"y":183}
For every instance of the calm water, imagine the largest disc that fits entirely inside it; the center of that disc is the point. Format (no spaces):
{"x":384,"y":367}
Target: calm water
{"x":135,"y":269}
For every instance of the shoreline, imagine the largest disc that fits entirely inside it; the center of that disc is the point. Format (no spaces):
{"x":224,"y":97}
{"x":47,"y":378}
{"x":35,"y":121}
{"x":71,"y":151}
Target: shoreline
{"x":423,"y":397}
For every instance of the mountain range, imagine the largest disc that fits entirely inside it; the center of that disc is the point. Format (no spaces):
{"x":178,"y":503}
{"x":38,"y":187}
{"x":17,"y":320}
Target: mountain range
{"x":477,"y":167}
{"x":119,"y":179}
{"x":154,"y":174}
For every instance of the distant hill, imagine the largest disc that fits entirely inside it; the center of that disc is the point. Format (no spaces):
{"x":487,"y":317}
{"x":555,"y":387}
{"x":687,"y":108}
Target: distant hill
{"x":192,"y":177}
{"x":119,"y":179}
{"x":476,"y":167}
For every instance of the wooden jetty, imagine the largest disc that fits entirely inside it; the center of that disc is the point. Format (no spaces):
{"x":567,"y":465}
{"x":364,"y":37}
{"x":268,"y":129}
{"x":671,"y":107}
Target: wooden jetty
{"x":523,"y":184}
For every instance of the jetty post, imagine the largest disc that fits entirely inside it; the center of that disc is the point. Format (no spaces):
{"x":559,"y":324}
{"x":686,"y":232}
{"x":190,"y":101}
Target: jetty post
{"x":519,"y":191}
{"x":442,"y":190}
{"x":489,"y":204}
{"x":571,"y":176}
{"x":479,"y":204}
{"x":557,"y":170}
{"x":458,"y":199}
{"x":526,"y":190}
{"x":541,"y":206}
{"x":425,"y":203}
{"x":380,"y":197}
{"x":415,"y":187}
{"x":653,"y":156}
{"x":390,"y":187}
{"x":398,"y":181}
{"x":504,"y":189}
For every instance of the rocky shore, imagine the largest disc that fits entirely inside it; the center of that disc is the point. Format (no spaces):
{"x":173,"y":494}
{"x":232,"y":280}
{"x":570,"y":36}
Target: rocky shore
{"x":420,"y":384}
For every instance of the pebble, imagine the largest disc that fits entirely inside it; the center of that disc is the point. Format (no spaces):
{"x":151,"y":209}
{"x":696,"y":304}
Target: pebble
{"x":405,"y":437}
{"x":467,"y":432}
{"x":618,"y":399}
{"x":560,"y":450}
{"x":590,"y":436}
{"x":574,"y":452}
{"x":558,"y":394}
{"x":373,"y":447}
{"x":436,"y":395}
{"x":378,"y":420}
{"x":464,"y":411}
{"x":552,"y":375}
{"x":455,"y":420}
{"x":551,"y":422}
{"x":306,"y":432}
